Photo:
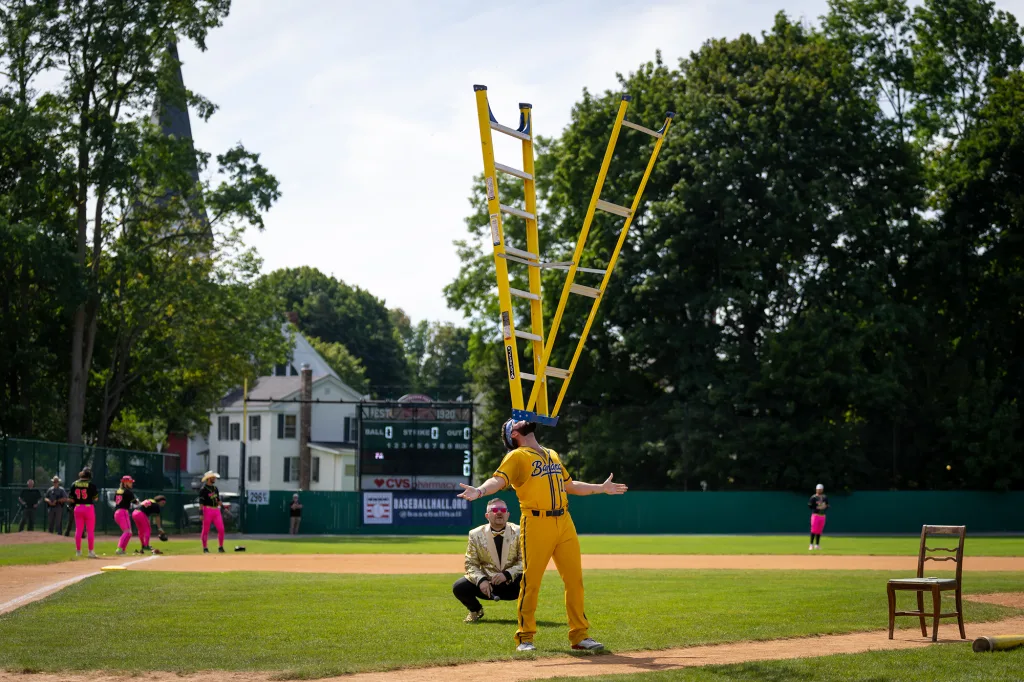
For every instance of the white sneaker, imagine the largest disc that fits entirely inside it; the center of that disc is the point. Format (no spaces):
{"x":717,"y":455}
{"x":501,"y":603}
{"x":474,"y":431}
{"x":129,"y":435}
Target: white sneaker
{"x":92,"y":555}
{"x":810,"y":548}
{"x":589,"y":644}
{"x":78,"y":553}
{"x":526,"y":646}
{"x":817,"y":547}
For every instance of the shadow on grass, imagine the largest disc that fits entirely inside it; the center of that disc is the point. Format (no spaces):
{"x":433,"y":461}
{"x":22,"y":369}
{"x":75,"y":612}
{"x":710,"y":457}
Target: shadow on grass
{"x":512,"y":621}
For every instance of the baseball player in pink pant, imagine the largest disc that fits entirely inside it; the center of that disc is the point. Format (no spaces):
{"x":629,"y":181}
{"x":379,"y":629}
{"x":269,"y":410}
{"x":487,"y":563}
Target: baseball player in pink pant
{"x":123,"y":500}
{"x":209,"y":501}
{"x":148,"y":508}
{"x":83,"y":493}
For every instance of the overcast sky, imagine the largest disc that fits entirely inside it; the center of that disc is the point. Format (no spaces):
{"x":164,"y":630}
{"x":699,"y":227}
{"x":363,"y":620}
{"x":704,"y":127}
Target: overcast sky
{"x":365,"y":111}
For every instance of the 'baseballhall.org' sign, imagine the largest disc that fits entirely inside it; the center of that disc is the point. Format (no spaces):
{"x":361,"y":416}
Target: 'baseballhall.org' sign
{"x":416,"y":509}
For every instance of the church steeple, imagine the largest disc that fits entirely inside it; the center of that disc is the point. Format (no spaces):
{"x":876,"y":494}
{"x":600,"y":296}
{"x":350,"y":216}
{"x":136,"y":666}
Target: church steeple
{"x":170,"y":113}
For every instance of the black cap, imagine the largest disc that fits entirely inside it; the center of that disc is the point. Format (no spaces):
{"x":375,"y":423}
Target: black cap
{"x":478,"y":88}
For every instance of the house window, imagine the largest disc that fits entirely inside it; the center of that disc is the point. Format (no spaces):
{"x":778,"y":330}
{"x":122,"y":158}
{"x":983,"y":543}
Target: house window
{"x":316,"y":470}
{"x":350,"y":470}
{"x":222,"y":466}
{"x":236,"y":431}
{"x":291,"y":469}
{"x":254,"y":469}
{"x":254,"y":428}
{"x":286,"y":426}
{"x":348,"y":430}
{"x":222,"y":428}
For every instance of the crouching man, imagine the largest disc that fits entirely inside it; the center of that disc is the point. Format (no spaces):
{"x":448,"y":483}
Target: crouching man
{"x":494,"y":564}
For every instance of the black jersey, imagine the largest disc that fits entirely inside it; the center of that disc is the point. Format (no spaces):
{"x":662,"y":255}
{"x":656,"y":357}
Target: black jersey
{"x":83,"y":491}
{"x":818,"y":504}
{"x":123,"y":498}
{"x":209,"y":496}
{"x":150,"y":507}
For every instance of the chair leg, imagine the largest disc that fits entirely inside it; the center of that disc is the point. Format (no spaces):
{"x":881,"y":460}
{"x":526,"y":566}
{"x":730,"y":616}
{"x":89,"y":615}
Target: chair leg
{"x":920,"y":609}
{"x":937,"y":608}
{"x":960,"y":614}
{"x":892,"y":609}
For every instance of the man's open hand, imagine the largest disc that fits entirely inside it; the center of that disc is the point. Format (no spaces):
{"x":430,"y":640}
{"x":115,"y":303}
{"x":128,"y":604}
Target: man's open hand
{"x":498,"y":578}
{"x":469,"y":493}
{"x":613,"y":488}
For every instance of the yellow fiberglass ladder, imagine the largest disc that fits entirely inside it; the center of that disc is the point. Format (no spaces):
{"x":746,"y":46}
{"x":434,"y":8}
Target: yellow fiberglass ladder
{"x":536,"y":408}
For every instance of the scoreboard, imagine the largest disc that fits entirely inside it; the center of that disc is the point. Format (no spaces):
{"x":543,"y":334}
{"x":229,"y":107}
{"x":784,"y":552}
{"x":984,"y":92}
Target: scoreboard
{"x":416,"y":447}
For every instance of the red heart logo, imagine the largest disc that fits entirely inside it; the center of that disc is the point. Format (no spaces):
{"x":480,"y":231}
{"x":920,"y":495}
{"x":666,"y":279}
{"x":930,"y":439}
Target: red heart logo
{"x":379,"y":481}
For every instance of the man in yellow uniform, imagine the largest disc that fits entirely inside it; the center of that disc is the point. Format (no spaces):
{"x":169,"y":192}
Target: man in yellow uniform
{"x":546,"y":530}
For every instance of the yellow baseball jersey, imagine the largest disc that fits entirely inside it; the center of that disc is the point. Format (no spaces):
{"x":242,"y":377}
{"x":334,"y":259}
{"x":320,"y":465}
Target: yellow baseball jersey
{"x":538,"y":479}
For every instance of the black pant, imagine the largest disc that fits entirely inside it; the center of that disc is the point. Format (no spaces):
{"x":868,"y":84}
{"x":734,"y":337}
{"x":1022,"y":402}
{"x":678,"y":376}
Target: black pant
{"x":469,"y":594}
{"x":29,"y":515}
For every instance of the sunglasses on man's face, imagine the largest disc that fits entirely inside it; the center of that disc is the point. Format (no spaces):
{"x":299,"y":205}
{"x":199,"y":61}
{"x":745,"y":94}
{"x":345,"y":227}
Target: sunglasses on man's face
{"x":499,"y":510}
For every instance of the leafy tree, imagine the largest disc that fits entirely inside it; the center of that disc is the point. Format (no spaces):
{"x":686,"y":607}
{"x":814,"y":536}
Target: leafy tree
{"x":348,"y":366}
{"x":154,"y":250}
{"x":338,"y":313}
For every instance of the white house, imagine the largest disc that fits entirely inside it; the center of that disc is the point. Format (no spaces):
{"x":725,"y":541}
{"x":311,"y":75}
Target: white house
{"x":272,"y":430}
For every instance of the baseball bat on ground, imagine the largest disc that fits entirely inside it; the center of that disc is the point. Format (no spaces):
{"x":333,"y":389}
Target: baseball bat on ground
{"x":997,"y":643}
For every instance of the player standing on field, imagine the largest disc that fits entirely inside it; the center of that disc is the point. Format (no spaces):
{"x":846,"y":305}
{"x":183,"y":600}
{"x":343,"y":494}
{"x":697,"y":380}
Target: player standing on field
{"x":209,"y":501}
{"x":83,"y":494}
{"x":123,"y":499}
{"x":818,"y":505}
{"x":546,"y":530}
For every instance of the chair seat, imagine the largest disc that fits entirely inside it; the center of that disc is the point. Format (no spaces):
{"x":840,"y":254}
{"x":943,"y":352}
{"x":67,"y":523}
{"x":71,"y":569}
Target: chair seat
{"x":923,"y":582}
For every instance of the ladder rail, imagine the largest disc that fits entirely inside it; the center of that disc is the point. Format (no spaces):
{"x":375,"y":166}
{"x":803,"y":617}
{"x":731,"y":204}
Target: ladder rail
{"x":611,"y":262}
{"x":533,"y":246}
{"x":580,"y":243}
{"x":507,"y":323}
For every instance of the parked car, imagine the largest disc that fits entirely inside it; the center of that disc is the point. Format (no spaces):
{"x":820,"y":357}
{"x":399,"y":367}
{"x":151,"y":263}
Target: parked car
{"x":194,"y":514}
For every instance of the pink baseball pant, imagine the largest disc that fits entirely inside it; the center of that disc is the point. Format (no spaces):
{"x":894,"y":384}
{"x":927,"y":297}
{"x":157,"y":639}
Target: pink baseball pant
{"x":85,"y":522}
{"x":212,"y":514}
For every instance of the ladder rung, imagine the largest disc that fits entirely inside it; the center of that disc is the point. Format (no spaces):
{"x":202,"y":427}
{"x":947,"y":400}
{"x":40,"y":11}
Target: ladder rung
{"x":634,"y":126}
{"x":611,"y":208}
{"x":528,"y":335}
{"x":522,"y":254}
{"x":509,"y":131}
{"x":523,"y":294}
{"x":513,"y":171}
{"x":518,"y":211}
{"x":584,"y":291}
{"x":564,"y":265}
{"x":557,"y":373}
{"x":527,"y":376}
{"x":593,"y":271}
{"x":532,"y":264}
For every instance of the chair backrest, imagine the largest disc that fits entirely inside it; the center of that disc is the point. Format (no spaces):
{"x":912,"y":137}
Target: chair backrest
{"x":959,"y":532}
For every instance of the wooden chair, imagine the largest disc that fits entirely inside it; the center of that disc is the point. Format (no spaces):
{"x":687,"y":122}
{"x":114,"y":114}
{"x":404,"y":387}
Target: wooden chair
{"x":936,"y":586}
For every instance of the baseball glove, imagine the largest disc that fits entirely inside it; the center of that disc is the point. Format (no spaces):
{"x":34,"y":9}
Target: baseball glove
{"x":163,"y":537}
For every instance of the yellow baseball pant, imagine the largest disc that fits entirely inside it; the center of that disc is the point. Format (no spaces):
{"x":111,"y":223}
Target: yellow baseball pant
{"x":541,"y":539}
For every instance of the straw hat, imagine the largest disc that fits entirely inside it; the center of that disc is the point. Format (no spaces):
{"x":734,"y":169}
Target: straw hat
{"x":210,"y":474}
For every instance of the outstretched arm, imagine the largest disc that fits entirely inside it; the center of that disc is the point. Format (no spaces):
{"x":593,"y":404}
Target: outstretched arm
{"x":608,"y":488}
{"x":491,"y":485}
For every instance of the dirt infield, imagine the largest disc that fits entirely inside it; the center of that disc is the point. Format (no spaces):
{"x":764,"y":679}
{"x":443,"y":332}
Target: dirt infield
{"x":453,"y":563}
{"x":585,"y":666}
{"x":33,"y":537}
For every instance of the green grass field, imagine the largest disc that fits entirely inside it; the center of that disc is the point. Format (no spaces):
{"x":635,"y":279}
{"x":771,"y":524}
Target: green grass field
{"x":591,"y":544}
{"x":949,"y":663}
{"x":316,"y":625}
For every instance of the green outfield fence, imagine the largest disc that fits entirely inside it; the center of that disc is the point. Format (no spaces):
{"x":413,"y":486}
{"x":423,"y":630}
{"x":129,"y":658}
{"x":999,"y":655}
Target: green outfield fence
{"x":154,"y":473}
{"x":882,"y":512}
